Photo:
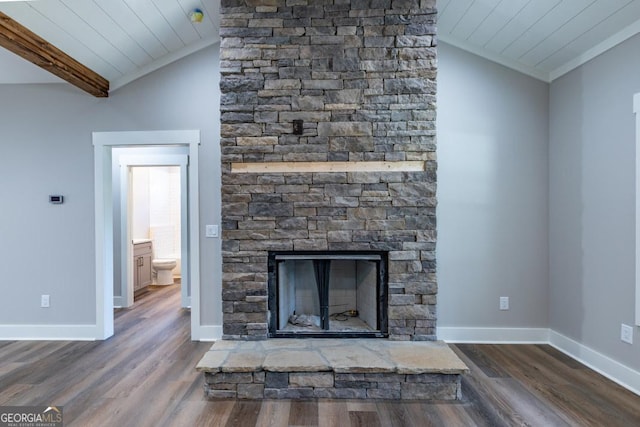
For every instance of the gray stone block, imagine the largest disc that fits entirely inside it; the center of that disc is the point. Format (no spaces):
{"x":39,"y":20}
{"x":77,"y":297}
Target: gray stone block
{"x":382,"y":393}
{"x":352,"y":144}
{"x":250,"y":307}
{"x":339,"y":236}
{"x":346,"y":201}
{"x":345,"y":129}
{"x":271,"y":393}
{"x":390,"y":385}
{"x":424,"y":391}
{"x":250,"y":391}
{"x":343,"y":190}
{"x":220,"y":394}
{"x":223,"y":386}
{"x":421,"y":29}
{"x":349,"y":377}
{"x":276,"y":380}
{"x":310,"y":245}
{"x":229,"y":377}
{"x":433,"y":378}
{"x":322,"y":84}
{"x":354,"y":384}
{"x":289,"y":393}
{"x":329,"y":178}
{"x":397,"y":299}
{"x":348,"y":393}
{"x":311,"y":379}
{"x":292,"y":223}
{"x":259,"y":377}
{"x":270,"y":209}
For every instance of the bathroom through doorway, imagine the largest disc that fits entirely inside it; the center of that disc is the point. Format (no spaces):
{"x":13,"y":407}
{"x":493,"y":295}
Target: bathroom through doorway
{"x":153,"y":210}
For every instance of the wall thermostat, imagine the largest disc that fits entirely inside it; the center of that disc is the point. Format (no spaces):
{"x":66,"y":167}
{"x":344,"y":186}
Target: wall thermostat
{"x":56,"y":200}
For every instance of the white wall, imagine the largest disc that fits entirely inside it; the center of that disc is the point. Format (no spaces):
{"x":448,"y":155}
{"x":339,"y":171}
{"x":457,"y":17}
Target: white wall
{"x":46,"y":148}
{"x":592,"y":202}
{"x":140,"y":195}
{"x":492,"y":194}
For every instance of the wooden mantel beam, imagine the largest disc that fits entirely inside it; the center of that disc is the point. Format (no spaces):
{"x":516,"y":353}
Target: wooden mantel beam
{"x":23,"y":42}
{"x":311,"y":167}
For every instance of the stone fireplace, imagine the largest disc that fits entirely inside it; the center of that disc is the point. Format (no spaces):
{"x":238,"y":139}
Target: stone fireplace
{"x":328,"y":147}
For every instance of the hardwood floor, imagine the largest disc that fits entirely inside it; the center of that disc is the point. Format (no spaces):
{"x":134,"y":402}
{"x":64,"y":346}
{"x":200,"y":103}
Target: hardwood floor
{"x":145,"y":376}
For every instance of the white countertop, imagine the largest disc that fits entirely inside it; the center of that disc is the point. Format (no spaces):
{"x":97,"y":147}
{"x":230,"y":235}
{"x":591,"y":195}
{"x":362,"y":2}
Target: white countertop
{"x":139,"y":241}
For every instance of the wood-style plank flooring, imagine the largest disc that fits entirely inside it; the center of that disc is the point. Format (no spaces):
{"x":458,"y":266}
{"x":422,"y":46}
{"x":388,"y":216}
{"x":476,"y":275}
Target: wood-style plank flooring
{"x":145,"y":376}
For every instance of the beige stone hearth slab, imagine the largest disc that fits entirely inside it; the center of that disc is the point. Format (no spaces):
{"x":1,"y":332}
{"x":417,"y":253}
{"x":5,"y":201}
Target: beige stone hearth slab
{"x":295,"y":361}
{"x":281,"y":344}
{"x":425,"y":357}
{"x":243,"y":362}
{"x":212,"y":361}
{"x":356,"y":359}
{"x":338,"y":355}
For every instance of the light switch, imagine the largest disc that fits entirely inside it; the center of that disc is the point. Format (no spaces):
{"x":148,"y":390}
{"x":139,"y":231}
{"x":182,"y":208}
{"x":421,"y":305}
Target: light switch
{"x":211,"y":230}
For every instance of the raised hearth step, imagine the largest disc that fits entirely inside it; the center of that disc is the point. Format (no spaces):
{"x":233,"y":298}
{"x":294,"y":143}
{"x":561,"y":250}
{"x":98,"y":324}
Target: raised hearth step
{"x":332,"y":368}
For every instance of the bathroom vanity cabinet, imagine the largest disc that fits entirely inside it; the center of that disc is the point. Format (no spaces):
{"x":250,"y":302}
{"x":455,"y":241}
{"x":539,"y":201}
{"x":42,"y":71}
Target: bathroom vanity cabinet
{"x":141,"y":264}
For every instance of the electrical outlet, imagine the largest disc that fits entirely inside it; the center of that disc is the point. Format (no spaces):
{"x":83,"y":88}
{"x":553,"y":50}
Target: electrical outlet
{"x":504,"y":303}
{"x":44,"y":301}
{"x":626,"y":333}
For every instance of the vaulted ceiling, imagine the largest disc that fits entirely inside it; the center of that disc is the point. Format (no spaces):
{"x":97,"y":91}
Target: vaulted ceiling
{"x":122,"y":40}
{"x":542,"y":38}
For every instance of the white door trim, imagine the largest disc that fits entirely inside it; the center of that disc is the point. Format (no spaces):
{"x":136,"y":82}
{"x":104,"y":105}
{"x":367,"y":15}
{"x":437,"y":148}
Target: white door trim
{"x":636,"y":111}
{"x":126,"y":162}
{"x":103,"y":142}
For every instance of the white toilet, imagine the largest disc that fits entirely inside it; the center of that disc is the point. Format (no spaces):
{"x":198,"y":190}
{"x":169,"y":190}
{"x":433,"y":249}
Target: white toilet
{"x":164,"y":252}
{"x":164,"y":270}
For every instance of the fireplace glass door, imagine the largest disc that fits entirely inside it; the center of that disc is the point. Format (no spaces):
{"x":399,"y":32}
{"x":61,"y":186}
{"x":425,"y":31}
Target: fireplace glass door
{"x":327,"y":294}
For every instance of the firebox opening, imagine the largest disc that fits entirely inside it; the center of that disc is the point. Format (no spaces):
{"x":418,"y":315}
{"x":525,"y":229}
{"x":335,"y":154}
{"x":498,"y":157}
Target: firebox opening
{"x":327,"y":294}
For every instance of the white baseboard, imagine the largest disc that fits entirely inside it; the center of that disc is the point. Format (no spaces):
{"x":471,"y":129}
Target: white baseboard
{"x":493,"y":335}
{"x":48,"y":332}
{"x":119,"y":302}
{"x":615,"y":371}
{"x":209,"y":333}
{"x":80,"y":333}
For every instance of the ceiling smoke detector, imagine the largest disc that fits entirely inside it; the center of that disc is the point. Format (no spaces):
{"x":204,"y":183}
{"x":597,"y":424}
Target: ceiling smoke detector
{"x":196,"y":15}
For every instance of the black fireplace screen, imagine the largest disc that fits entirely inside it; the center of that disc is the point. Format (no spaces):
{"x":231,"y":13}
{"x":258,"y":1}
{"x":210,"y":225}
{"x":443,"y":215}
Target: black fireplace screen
{"x":334,"y":293}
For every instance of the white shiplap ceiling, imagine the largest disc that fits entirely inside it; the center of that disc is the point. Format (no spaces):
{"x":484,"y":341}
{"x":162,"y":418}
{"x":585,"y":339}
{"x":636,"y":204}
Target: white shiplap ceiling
{"x":542,"y":38}
{"x":121,"y":40}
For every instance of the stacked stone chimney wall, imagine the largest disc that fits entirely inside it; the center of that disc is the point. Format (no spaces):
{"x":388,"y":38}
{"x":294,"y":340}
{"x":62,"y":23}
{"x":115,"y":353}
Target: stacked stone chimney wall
{"x":361,"y":76}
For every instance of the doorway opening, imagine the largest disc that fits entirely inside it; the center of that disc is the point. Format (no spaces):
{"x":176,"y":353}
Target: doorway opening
{"x":107,"y":223}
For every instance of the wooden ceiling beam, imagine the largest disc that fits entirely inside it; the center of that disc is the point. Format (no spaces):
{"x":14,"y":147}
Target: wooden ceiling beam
{"x":23,"y":42}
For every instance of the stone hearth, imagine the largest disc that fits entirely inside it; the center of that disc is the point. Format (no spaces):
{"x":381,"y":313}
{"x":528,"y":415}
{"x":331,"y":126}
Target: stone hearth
{"x":332,"y":368}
